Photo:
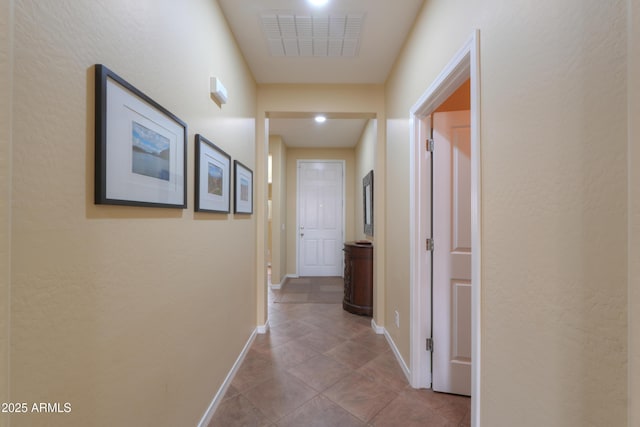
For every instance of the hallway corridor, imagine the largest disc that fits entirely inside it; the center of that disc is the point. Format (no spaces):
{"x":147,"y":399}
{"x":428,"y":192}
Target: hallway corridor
{"x":321,"y":366}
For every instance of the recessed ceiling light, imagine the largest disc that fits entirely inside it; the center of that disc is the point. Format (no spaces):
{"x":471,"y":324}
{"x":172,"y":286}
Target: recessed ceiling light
{"x":321,"y":119}
{"x":318,"y":3}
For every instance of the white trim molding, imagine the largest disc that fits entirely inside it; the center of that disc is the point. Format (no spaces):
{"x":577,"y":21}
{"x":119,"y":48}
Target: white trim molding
{"x":208,"y":414}
{"x":464,"y":65}
{"x":377,"y":329}
{"x":263,"y":329}
{"x":396,"y":352}
{"x":277,"y":286}
{"x":381,"y":330}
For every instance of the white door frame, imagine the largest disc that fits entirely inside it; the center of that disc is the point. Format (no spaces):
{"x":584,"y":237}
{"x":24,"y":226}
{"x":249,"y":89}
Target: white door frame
{"x":344,"y":189}
{"x":464,"y":65}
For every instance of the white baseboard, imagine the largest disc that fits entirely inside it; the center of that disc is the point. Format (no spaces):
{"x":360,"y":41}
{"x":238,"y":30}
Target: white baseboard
{"x":208,"y":415}
{"x":381,"y":330}
{"x":277,"y":286}
{"x":377,"y":329}
{"x":396,"y":352}
{"x":263,"y":329}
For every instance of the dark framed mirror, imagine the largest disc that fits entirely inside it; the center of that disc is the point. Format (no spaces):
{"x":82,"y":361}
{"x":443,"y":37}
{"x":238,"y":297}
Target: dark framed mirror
{"x":367,"y":198}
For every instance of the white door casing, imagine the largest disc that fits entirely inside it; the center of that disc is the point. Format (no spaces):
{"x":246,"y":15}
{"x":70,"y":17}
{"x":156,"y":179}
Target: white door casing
{"x":452,"y":253}
{"x":465,"y":64}
{"x":320,"y":218}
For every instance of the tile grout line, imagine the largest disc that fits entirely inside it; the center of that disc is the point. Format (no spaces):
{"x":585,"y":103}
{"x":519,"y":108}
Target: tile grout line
{"x":348,"y":333}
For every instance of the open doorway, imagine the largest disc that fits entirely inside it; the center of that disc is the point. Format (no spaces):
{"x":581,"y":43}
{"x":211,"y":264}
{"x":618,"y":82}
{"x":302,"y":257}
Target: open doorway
{"x":425,"y":323}
{"x":342,"y":148}
{"x":279,"y":104}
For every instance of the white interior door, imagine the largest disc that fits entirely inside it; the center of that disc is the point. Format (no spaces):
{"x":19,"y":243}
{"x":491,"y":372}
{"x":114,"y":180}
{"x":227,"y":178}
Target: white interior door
{"x":320,"y":218}
{"x":452,"y":253}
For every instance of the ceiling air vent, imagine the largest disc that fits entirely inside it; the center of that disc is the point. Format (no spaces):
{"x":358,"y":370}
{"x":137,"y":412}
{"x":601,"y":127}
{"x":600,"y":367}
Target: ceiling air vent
{"x":289,"y":34}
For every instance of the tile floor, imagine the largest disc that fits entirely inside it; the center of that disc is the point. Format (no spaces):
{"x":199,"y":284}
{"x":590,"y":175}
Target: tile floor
{"x":321,"y":366}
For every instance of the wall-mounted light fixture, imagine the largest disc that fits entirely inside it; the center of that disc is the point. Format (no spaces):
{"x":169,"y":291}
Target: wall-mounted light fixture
{"x":320,"y":119}
{"x":218,"y":91}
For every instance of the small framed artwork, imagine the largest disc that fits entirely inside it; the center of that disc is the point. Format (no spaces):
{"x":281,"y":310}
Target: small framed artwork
{"x":243,"y":191}
{"x":213,"y":177}
{"x":367,"y":199}
{"x":140,"y":157}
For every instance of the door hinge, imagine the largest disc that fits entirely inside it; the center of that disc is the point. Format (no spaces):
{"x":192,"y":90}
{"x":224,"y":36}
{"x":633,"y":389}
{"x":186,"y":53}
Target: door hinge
{"x":429,"y":344}
{"x":429,"y":245}
{"x":429,"y":145}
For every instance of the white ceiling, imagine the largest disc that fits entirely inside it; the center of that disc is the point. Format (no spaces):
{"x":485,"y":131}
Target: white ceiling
{"x":334,"y":133}
{"x":382,"y":27}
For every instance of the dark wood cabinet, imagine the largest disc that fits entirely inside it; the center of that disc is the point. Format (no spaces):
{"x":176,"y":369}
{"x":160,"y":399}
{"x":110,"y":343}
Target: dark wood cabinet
{"x":358,"y":278}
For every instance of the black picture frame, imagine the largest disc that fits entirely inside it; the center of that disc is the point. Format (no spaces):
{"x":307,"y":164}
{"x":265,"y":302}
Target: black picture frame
{"x":212,"y":179}
{"x":243,"y":189}
{"x":140,"y":147}
{"x":367,"y":201}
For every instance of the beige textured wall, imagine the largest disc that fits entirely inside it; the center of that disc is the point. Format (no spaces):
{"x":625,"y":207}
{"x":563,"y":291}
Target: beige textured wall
{"x":282,"y":191}
{"x":365,"y":153}
{"x":6,"y":68}
{"x":295,"y":154}
{"x":397,"y":295}
{"x":279,"y":209}
{"x":554,"y":200}
{"x":121,"y":310}
{"x":321,"y":98}
{"x":633,"y":97}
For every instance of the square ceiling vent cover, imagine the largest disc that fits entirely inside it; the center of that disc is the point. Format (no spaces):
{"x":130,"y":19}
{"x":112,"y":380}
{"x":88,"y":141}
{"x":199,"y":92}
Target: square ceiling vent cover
{"x":290,"y":34}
